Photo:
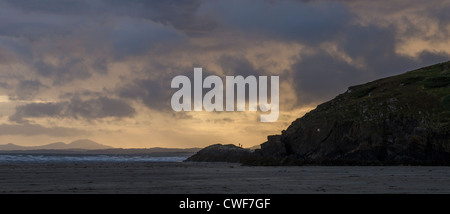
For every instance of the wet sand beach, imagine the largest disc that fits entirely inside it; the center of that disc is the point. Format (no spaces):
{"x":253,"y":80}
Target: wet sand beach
{"x":147,"y":177}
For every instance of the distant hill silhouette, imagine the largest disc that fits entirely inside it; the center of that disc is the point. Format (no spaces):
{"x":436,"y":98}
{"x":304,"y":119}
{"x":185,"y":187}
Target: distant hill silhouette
{"x":83,"y":144}
{"x":86,"y":146}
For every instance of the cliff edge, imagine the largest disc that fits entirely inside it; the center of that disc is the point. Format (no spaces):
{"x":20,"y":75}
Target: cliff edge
{"x":403,"y":119}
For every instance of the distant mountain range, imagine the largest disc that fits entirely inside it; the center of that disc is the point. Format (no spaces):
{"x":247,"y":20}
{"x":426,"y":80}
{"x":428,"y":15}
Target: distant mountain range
{"x":84,"y":144}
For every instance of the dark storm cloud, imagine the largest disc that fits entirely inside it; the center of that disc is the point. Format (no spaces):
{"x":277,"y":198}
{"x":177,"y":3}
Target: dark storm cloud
{"x":13,"y":46}
{"x":442,"y":14}
{"x":27,"y":89}
{"x":237,"y":65}
{"x":99,"y":108}
{"x":376,"y":46}
{"x":5,"y":85}
{"x":429,"y":58}
{"x":321,"y":76}
{"x":112,"y":30}
{"x":181,"y":14}
{"x":82,"y":94}
{"x":154,"y":94}
{"x":131,"y":37}
{"x":52,"y":6}
{"x":310,"y":23}
{"x":74,"y":31}
{"x":100,"y":66}
{"x":32,"y":27}
{"x":38,"y":110}
{"x":76,"y":108}
{"x":35,"y":129}
{"x":66,"y":71}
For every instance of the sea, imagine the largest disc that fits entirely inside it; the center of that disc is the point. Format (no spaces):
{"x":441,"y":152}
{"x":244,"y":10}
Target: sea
{"x":66,"y":158}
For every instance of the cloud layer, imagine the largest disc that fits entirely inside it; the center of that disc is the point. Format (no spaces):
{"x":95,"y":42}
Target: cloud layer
{"x":67,"y":63}
{"x":76,"y":108}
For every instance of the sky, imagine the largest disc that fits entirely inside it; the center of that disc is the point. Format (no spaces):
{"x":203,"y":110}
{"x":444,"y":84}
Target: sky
{"x":101,"y":69}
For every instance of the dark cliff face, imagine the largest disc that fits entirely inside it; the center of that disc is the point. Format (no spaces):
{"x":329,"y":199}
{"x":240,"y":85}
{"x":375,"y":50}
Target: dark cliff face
{"x":403,"y":119}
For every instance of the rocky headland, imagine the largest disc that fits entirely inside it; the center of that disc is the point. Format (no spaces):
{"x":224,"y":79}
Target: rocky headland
{"x":403,"y":119}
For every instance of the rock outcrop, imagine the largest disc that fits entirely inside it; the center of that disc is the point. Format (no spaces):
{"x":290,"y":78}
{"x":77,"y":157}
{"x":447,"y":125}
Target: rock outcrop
{"x":403,"y":119}
{"x":221,"y":153}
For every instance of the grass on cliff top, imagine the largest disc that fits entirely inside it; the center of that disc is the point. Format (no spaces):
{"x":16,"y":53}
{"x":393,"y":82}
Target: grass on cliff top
{"x":423,"y":91}
{"x":433,"y":80}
